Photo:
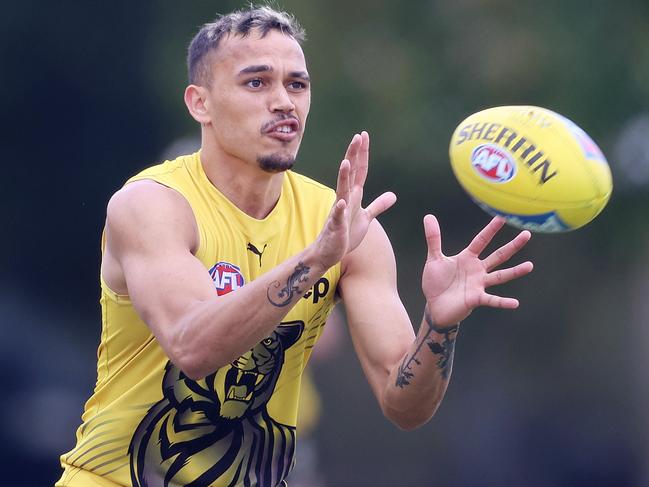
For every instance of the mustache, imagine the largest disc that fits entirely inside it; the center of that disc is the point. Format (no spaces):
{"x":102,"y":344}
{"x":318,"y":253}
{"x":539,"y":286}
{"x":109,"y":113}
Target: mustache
{"x":281,"y":117}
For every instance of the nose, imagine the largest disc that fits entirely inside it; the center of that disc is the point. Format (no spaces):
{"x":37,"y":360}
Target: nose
{"x":281,"y":101}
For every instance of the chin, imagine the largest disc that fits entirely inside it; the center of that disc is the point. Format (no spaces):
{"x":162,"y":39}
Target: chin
{"x":275,"y":163}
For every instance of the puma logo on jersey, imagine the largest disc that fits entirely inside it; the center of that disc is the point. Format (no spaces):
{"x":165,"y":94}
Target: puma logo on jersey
{"x":256,"y":251}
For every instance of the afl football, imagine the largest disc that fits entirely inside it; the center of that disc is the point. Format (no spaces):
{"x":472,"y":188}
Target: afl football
{"x":532,"y":166}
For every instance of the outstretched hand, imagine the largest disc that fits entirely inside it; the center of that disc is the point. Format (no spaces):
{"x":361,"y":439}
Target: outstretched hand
{"x":455,"y":286}
{"x":348,"y":221}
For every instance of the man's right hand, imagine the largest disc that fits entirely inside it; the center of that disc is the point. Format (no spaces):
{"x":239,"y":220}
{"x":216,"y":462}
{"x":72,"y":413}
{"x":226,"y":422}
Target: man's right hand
{"x":348,"y":221}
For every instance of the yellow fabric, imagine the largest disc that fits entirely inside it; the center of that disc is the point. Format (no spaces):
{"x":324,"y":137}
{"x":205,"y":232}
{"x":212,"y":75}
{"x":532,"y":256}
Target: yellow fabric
{"x":146,"y":421}
{"x":310,"y":406}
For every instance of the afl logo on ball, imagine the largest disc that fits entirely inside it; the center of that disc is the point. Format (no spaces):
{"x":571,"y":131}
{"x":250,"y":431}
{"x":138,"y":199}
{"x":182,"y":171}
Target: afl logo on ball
{"x":493,"y":163}
{"x":227,"y":277}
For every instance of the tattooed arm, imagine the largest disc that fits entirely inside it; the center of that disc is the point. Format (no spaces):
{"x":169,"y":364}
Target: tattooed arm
{"x":151,"y":235}
{"x":425,"y":370}
{"x":169,"y":287}
{"x":440,"y":341}
{"x":409,"y":375}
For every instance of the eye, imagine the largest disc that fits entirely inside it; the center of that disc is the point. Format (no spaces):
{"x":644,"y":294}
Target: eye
{"x":297,"y":85}
{"x":268,"y":341}
{"x":254,"y":83}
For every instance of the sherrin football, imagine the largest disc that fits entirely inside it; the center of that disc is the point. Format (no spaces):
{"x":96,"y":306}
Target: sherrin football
{"x":531,"y":165}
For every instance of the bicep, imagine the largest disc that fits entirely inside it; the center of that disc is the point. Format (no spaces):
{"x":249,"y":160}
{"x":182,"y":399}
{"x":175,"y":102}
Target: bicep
{"x":378,"y":322}
{"x":149,"y":234}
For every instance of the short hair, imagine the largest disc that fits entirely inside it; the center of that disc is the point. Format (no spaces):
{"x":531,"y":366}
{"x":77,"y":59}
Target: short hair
{"x":240,"y":22}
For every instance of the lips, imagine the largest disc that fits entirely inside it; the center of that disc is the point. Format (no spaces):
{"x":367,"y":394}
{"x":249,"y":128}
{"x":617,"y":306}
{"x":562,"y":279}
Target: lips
{"x":285,"y":129}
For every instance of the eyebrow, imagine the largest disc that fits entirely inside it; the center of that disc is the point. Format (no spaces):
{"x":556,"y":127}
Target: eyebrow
{"x":257,"y":68}
{"x":264,"y":68}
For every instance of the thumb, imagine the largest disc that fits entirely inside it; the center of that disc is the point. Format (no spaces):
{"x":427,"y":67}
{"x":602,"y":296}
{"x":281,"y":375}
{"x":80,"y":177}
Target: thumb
{"x":381,"y":204}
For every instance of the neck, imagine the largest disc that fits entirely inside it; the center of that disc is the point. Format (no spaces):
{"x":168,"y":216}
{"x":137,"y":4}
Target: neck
{"x":251,"y":189}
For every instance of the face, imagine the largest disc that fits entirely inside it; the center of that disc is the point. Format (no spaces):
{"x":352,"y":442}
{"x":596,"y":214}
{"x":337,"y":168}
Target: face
{"x":259,"y":99}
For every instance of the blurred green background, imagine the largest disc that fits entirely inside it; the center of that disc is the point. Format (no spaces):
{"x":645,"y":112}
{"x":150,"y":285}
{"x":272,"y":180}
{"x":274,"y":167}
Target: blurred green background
{"x":553,"y":394}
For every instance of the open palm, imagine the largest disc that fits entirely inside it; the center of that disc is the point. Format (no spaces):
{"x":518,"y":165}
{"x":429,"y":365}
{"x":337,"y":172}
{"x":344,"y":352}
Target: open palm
{"x":349,"y":222}
{"x":455,"y":286}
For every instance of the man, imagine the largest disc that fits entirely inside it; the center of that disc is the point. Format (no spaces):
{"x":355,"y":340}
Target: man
{"x":220,"y":268}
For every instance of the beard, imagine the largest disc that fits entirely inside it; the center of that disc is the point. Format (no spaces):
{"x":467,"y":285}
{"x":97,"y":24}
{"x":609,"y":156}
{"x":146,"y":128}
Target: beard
{"x":276,"y":163}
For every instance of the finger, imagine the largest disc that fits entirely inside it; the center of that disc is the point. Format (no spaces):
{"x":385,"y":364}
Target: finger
{"x":381,"y":204}
{"x":505,"y":275}
{"x":493,"y":301}
{"x":352,"y":154}
{"x":338,"y":213}
{"x":433,"y":237}
{"x":504,"y":253}
{"x":342,"y":185}
{"x":482,"y":239}
{"x":362,"y":160}
{"x":352,"y":149}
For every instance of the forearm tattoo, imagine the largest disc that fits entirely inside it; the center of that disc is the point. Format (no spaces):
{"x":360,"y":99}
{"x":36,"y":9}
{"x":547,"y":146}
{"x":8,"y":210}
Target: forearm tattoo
{"x":286,"y":294}
{"x":444,"y":350}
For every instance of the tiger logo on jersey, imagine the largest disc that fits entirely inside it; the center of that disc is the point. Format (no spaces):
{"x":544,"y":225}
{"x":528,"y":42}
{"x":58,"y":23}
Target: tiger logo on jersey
{"x":218,"y":428}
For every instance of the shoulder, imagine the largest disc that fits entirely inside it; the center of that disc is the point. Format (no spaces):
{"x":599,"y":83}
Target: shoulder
{"x":147,"y":209}
{"x":166,"y":169}
{"x":145,"y":197}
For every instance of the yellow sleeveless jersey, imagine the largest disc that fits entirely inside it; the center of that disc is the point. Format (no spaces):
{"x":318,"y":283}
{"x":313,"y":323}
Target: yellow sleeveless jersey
{"x":146,"y":424}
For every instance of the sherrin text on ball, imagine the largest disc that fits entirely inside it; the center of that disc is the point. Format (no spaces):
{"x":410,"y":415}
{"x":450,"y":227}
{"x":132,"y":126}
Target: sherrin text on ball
{"x":531,"y":165}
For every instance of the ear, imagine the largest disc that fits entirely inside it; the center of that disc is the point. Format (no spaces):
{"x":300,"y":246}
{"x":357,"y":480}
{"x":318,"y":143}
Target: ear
{"x":289,"y":332}
{"x":196,"y":101}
